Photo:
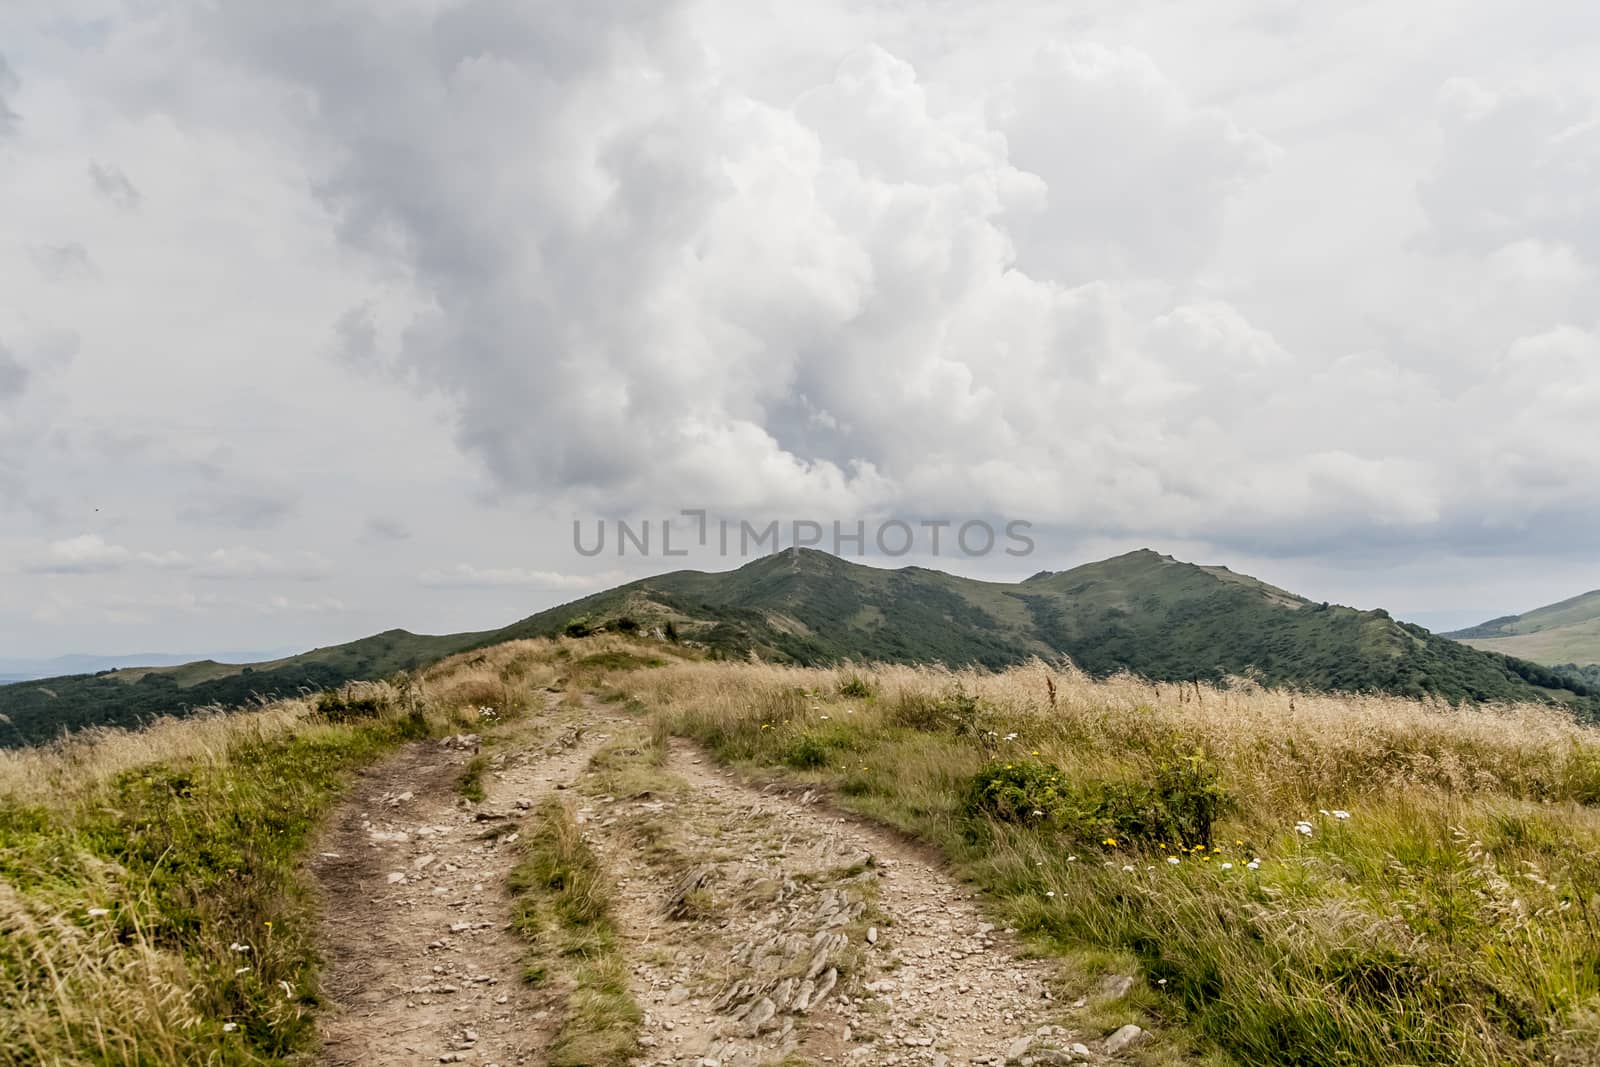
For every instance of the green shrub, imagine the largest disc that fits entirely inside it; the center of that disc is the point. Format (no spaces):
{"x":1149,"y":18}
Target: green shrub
{"x":855,"y":686}
{"x":339,"y":706}
{"x":578,"y":627}
{"x":1178,"y":805}
{"x":807,"y":753}
{"x":957,"y":712}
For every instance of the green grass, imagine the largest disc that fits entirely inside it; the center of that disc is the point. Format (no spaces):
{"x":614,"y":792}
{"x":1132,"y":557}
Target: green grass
{"x":1452,"y":918}
{"x":162,"y":917}
{"x":563,"y":908}
{"x":469,"y":783}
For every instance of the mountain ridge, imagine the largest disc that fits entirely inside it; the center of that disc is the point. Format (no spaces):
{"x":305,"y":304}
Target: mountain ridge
{"x":1564,"y":633}
{"x":1140,"y":612}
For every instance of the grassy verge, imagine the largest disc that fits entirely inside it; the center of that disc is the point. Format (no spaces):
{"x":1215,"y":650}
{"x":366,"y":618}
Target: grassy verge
{"x":1301,"y":880}
{"x":154,"y":907}
{"x":563,"y":908}
{"x":160,"y":917}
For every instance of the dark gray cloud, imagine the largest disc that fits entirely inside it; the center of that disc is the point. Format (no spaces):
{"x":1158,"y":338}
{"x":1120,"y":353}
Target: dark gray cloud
{"x":8,"y":85}
{"x":63,"y":262}
{"x":13,"y":375}
{"x":384,"y":530}
{"x":239,"y":509}
{"x":111,"y":183}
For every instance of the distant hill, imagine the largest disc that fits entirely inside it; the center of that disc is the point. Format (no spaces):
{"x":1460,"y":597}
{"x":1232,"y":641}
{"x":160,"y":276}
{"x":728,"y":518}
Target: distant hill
{"x":1564,"y":633}
{"x":1142,"y":612}
{"x":37,"y":710}
{"x":21,"y":670}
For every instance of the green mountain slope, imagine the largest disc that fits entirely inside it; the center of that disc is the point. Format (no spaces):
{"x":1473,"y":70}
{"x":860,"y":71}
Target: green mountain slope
{"x":36,"y":711}
{"x":1564,"y":633}
{"x":1142,"y":612}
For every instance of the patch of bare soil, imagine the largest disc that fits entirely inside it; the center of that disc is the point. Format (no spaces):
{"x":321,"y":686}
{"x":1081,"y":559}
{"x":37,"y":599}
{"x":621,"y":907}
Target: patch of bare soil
{"x":422,"y":967}
{"x":762,"y":926}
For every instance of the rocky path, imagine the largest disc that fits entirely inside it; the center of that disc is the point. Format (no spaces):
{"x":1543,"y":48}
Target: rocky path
{"x":759,"y":926}
{"x":763,"y":926}
{"x":421,"y":966}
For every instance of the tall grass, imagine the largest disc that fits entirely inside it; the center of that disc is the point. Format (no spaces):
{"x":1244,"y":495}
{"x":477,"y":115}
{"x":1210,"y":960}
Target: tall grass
{"x":1439,"y":902}
{"x":153,"y":907}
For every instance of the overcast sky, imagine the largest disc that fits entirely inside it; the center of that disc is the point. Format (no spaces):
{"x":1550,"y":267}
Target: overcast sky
{"x":319,"y":317}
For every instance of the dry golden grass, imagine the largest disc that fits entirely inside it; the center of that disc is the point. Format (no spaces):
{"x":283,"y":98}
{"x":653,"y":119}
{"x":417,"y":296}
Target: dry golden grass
{"x":1283,"y":748}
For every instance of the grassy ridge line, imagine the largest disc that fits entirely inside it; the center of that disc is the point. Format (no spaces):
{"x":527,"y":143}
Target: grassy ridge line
{"x":152,"y":896}
{"x":1451,"y":918}
{"x":563,"y":908}
{"x":1141,"y":612}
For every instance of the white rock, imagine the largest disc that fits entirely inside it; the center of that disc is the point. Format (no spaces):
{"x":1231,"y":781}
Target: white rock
{"x":1124,"y":1038}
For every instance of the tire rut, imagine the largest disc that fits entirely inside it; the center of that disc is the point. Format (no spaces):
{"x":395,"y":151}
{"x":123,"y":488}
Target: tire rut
{"x":761,"y":925}
{"x":422,"y":966}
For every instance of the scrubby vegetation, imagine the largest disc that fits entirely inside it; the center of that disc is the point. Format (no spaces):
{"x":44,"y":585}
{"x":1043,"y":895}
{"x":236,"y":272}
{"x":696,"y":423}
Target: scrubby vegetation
{"x":1301,"y":879}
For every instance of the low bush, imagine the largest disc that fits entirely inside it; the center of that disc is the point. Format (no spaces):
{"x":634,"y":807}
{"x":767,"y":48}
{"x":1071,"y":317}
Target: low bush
{"x":855,"y":686}
{"x":1177,"y":806}
{"x":348,"y":705}
{"x":956,"y":711}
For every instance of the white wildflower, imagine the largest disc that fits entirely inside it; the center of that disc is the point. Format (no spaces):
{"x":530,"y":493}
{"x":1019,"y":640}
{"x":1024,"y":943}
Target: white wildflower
{"x":1227,"y":866}
{"x":236,"y":947}
{"x":1341,"y":814}
{"x":1173,"y":860}
{"x":96,"y":913}
{"x":229,"y":1028}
